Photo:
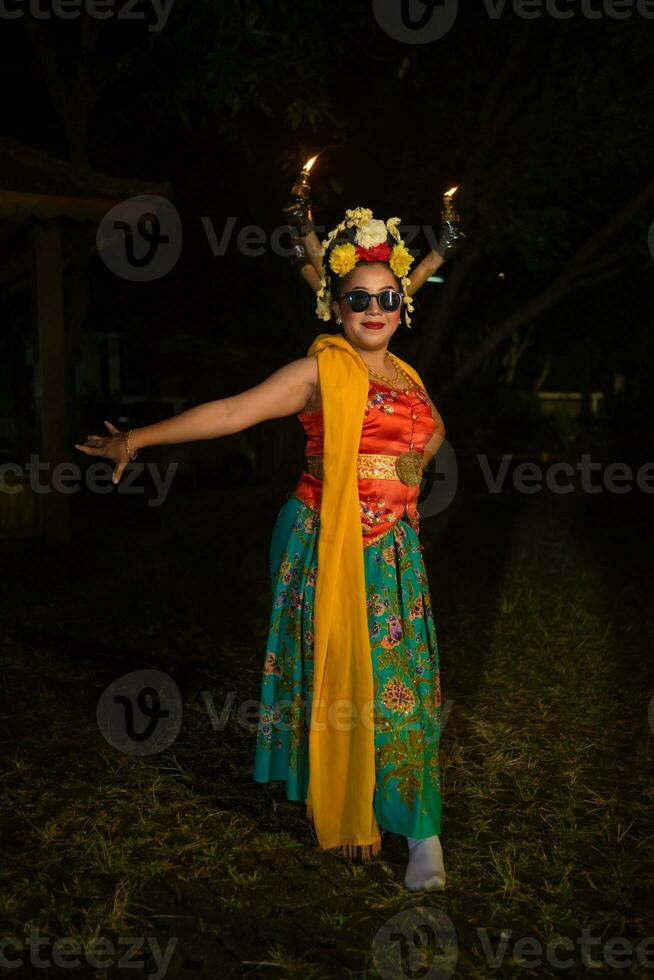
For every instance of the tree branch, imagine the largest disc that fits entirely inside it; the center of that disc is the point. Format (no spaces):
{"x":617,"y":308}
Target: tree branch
{"x":490,"y":126}
{"x":573,"y":275}
{"x":44,"y":49}
{"x":72,"y":99}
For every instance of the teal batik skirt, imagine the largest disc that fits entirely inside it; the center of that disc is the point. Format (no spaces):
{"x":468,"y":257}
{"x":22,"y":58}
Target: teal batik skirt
{"x":405,"y":661}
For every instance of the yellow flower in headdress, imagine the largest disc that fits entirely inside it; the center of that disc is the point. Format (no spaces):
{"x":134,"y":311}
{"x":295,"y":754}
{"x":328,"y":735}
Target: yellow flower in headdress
{"x":401,"y":260}
{"x":392,"y":225}
{"x":323,"y":307}
{"x":358,"y":216}
{"x":343,"y":259}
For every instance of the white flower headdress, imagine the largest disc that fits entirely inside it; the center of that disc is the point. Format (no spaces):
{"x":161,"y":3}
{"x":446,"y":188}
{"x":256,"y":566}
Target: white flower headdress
{"x":374,"y":241}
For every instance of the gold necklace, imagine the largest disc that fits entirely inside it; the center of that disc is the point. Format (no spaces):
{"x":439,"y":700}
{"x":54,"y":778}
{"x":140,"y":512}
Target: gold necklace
{"x":411,"y":385}
{"x":382,"y":377}
{"x":399,"y":374}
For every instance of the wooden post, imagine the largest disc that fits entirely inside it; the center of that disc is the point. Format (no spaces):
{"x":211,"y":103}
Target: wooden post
{"x":584,"y":436}
{"x":51,"y":401}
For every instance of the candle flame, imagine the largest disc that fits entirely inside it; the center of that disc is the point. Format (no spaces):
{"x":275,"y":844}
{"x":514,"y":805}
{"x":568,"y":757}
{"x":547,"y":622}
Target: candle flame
{"x":309,"y":164}
{"x":452,"y":191}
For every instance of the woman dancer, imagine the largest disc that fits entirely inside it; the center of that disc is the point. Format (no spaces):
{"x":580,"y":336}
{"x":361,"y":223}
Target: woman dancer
{"x":350,"y":693}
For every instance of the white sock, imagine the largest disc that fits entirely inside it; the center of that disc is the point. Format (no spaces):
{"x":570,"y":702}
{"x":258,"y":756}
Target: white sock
{"x":425,"y":869}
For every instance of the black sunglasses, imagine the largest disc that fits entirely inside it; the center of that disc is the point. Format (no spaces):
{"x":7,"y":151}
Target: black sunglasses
{"x":359,"y":299}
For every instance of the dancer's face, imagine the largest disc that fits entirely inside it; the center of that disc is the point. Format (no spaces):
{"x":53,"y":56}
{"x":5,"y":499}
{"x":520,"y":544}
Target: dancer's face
{"x":358,"y":328}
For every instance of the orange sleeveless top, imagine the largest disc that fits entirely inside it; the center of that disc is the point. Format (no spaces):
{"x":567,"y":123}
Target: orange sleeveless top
{"x":394,"y":421}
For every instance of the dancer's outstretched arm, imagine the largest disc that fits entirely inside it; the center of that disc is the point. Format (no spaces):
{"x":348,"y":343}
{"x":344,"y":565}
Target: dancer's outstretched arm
{"x":451,"y":235}
{"x":285,"y":392}
{"x":303,"y":264}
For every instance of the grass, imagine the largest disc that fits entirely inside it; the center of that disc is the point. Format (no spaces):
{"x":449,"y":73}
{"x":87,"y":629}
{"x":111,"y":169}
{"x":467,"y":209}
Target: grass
{"x":291,"y":966}
{"x":546,"y":760}
{"x":548,"y":764}
{"x":88,"y":827}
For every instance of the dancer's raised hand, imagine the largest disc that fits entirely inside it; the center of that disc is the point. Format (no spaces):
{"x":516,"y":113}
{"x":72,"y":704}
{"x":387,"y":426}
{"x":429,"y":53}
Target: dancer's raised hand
{"x":451,"y":235}
{"x":113,"y":446}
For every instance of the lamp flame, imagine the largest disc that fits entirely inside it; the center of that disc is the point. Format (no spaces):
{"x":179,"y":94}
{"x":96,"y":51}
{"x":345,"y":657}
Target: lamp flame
{"x":309,"y":164}
{"x":452,"y":191}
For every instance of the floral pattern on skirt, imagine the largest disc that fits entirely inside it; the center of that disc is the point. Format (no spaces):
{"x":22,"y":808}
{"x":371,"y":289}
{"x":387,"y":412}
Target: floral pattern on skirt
{"x":405,"y":659}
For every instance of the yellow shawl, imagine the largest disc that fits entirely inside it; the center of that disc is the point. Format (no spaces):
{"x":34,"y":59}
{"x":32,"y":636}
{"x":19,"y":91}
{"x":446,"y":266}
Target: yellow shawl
{"x":341,"y":735}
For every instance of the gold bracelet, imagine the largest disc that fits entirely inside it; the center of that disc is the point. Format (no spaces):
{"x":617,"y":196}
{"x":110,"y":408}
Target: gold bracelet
{"x":131,"y":454}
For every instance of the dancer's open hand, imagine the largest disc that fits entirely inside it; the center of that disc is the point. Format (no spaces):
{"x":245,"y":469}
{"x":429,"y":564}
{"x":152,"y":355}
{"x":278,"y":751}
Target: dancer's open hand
{"x":112,"y":447}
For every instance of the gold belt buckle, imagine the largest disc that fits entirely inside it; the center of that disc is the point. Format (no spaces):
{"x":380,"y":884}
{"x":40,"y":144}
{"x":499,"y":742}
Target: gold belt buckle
{"x":409,"y":467}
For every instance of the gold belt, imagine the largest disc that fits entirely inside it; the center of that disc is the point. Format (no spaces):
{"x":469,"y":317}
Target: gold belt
{"x":406,"y":467}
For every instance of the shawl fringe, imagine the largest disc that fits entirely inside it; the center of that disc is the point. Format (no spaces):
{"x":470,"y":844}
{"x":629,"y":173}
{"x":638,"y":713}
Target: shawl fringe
{"x":364,"y":851}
